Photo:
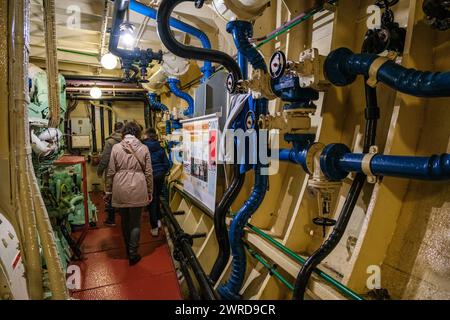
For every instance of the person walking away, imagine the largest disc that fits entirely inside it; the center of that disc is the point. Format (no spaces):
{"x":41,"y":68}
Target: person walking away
{"x":112,"y":140}
{"x":129,"y":183}
{"x":160,"y":165}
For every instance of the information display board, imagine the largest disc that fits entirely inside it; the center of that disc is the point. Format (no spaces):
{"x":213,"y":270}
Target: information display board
{"x":200,"y":145}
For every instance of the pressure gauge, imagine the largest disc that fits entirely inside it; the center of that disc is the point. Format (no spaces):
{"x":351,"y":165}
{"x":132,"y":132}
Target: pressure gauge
{"x":231,"y":83}
{"x":277,"y":64}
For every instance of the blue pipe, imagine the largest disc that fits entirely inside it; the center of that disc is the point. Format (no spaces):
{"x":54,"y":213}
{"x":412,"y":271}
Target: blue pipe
{"x":207,"y":68}
{"x":157,"y":105}
{"x":230,"y":290}
{"x":337,"y":161}
{"x":174,"y":87}
{"x":241,"y":32}
{"x":342,"y":66}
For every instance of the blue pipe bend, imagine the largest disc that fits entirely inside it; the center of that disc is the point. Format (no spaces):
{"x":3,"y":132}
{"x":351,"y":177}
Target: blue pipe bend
{"x":241,"y":32}
{"x":174,"y":87}
{"x":207,"y":68}
{"x":157,"y":105}
{"x":342,"y":66}
{"x":230,"y":290}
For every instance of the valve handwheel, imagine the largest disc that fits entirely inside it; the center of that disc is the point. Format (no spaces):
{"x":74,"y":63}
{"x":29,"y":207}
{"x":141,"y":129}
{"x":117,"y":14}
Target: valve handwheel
{"x":277,"y":64}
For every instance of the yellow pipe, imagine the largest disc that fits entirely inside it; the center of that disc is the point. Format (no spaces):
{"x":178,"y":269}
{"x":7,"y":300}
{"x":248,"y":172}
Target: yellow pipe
{"x":52,"y":63}
{"x":29,"y":186}
{"x":54,"y":267}
{"x":19,"y":106}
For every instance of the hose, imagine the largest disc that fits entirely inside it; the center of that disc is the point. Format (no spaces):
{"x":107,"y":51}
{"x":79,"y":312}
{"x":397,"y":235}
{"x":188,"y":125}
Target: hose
{"x":157,"y":105}
{"x":163,"y":26}
{"x":174,"y":87}
{"x":230,"y":290}
{"x":241,"y":32}
{"x":220,"y":226}
{"x":342,"y":66}
{"x":207,"y":68}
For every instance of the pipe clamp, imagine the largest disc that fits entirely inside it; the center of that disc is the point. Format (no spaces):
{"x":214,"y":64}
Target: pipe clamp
{"x":365,"y":164}
{"x":373,"y":71}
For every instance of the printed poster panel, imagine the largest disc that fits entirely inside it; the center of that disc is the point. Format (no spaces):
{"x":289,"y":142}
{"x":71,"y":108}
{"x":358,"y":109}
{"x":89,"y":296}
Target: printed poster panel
{"x":200,"y":159}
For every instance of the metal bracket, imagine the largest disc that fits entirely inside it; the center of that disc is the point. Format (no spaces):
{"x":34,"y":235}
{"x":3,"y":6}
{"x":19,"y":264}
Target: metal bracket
{"x":365,"y":164}
{"x":376,"y":65}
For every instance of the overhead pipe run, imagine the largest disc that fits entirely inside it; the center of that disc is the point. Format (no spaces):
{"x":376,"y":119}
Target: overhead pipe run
{"x":174,"y":85}
{"x":207,"y":68}
{"x":189,"y":52}
{"x":342,"y":67}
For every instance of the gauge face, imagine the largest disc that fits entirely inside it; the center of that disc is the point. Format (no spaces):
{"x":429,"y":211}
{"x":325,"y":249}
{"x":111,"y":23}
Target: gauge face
{"x":250,"y":120}
{"x":231,"y":83}
{"x":277,"y":64}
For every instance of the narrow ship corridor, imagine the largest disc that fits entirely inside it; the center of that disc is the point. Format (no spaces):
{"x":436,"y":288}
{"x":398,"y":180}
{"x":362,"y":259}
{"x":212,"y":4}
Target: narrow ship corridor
{"x":107,"y":274}
{"x":252,"y":151}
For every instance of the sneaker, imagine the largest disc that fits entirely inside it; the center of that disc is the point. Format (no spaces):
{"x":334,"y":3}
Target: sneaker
{"x":134,"y":260}
{"x":155,"y":232}
{"x":109,"y":223}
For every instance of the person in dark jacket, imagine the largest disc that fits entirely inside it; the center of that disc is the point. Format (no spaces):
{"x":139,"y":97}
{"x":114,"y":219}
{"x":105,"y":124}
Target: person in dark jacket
{"x":113,"y":139}
{"x":161,"y":166}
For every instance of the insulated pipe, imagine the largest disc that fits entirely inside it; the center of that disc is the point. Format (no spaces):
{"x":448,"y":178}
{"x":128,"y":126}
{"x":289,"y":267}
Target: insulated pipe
{"x":157,"y":105}
{"x":29,"y":181}
{"x":435,"y":167}
{"x":230,"y":290}
{"x":19,"y":116}
{"x":163,"y":22}
{"x":342,"y":66}
{"x":174,"y":87}
{"x":52,"y":63}
{"x":241,"y":32}
{"x":207,"y":68}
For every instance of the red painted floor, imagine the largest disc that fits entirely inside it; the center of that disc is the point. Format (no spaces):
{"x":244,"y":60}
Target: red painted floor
{"x":106,"y":274}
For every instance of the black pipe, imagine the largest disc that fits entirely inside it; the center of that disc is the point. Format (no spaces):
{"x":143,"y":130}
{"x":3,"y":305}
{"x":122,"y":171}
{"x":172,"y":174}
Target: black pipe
{"x":372,"y":114}
{"x":220,"y":225}
{"x":189,"y":52}
{"x":111,"y":98}
{"x":178,"y":256}
{"x":147,"y":111}
{"x":110,"y":119}
{"x":94,"y":130}
{"x":102,"y":125}
{"x":183,"y":242}
{"x":69,"y":77}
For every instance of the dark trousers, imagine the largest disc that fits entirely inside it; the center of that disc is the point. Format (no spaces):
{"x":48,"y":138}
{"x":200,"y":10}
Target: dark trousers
{"x":131,"y":229}
{"x":111,"y":212}
{"x":154,"y":209}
